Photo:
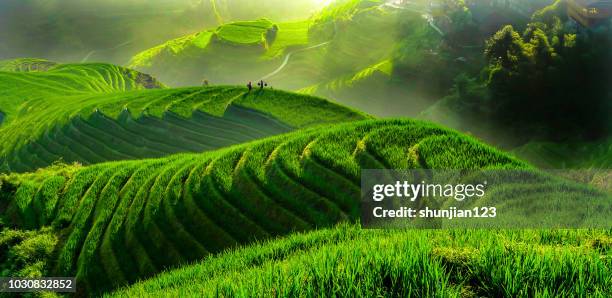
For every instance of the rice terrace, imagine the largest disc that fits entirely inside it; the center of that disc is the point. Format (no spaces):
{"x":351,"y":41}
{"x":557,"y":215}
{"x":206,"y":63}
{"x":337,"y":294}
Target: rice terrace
{"x":228,"y":148}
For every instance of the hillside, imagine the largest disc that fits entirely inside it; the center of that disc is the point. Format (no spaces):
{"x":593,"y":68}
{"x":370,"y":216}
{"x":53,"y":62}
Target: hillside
{"x":19,"y":86}
{"x":330,"y":54}
{"x":253,"y":47}
{"x":350,"y":262}
{"x":114,"y":223}
{"x":90,"y":113}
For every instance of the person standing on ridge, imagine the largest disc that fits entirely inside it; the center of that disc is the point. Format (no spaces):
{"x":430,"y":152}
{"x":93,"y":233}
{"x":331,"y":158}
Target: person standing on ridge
{"x":250,"y":86}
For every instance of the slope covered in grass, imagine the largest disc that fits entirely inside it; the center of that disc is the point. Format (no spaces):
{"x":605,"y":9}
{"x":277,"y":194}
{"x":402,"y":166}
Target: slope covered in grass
{"x":245,"y":33}
{"x":118,"y":222}
{"x":18,"y":87}
{"x":95,"y":113}
{"x":252,"y":47}
{"x":350,"y":262}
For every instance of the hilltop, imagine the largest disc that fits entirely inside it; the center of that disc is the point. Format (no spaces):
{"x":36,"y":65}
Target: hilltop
{"x":114,"y":223}
{"x":91,"y":113}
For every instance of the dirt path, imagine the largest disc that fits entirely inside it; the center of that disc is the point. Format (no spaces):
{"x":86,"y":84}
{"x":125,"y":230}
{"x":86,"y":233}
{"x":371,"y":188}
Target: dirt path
{"x":103,"y":50}
{"x":391,"y":4}
{"x":426,"y":15}
{"x":288,"y":57}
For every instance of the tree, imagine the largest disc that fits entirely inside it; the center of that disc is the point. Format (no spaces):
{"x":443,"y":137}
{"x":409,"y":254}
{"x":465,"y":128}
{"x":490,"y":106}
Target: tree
{"x":506,"y":48}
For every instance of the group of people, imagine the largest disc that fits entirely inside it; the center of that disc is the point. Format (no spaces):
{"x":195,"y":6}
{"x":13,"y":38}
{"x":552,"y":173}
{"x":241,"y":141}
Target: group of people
{"x":261,"y":85}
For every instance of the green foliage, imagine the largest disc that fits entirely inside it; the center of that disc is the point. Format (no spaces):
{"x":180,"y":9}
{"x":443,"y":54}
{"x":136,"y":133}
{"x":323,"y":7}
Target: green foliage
{"x":540,"y":71}
{"x":553,"y":15}
{"x":26,"y":253}
{"x":507,"y":48}
{"x":348,"y":261}
{"x":550,"y":82}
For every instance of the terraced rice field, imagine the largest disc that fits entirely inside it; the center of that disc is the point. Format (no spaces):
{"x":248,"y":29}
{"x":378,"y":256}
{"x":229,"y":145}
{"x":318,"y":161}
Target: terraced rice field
{"x":122,"y":221}
{"x":252,"y":47}
{"x":95,"y":113}
{"x":245,"y":33}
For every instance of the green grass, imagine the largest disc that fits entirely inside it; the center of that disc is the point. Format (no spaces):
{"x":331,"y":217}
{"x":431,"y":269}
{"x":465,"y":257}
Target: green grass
{"x":123,"y":221}
{"x":349,"y":262}
{"x":93,"y":113}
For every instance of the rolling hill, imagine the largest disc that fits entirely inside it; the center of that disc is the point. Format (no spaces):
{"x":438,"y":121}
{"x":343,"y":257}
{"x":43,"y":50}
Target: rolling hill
{"x":114,"y":223}
{"x":90,"y":113}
